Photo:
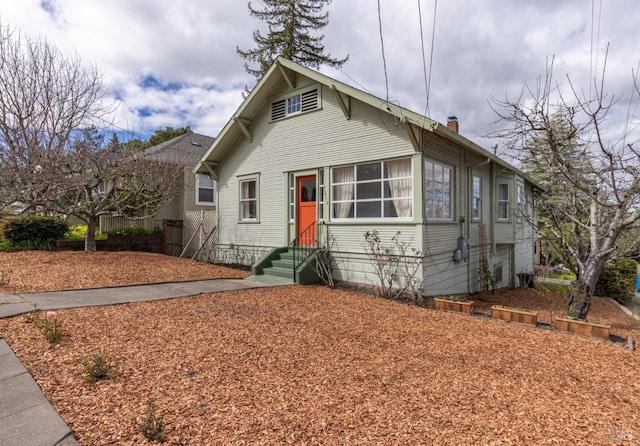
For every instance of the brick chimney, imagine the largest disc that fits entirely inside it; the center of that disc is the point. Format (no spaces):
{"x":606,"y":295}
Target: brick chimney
{"x":452,"y":123}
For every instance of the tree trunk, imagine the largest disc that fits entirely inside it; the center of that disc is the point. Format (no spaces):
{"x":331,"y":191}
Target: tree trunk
{"x":579,"y":299}
{"x":583,"y":287}
{"x":90,"y":239}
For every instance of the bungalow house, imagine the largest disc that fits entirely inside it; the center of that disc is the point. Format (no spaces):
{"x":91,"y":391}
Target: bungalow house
{"x":306,"y":157}
{"x":196,"y":194}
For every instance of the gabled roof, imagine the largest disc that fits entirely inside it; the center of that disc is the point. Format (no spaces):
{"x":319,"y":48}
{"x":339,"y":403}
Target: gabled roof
{"x":284,"y":70}
{"x":186,"y":149}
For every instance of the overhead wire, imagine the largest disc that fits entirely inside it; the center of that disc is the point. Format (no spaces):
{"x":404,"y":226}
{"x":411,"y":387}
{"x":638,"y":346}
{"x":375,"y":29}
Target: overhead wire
{"x":427,"y":82}
{"x":593,"y":67}
{"x":427,"y":77}
{"x":384,"y":59}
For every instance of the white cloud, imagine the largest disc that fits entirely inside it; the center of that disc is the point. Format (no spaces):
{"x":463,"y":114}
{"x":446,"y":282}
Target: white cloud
{"x":481,"y":49}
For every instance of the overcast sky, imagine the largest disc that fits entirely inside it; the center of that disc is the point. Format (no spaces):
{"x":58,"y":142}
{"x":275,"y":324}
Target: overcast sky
{"x":174,"y":62}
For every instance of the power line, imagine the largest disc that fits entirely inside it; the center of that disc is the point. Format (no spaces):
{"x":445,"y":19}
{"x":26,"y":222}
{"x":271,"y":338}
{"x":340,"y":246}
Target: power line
{"x":593,"y":68}
{"x":427,"y":78}
{"x":433,"y":40}
{"x":355,"y":81}
{"x":384,"y":60}
{"x":424,"y":60}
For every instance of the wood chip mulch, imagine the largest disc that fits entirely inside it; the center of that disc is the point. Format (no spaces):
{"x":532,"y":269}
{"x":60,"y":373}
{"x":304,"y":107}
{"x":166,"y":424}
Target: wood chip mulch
{"x":31,"y":271}
{"x":310,"y":365}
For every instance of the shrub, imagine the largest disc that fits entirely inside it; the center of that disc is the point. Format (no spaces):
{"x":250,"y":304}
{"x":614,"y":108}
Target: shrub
{"x":152,"y":425}
{"x":618,"y":280}
{"x":96,"y":368}
{"x":79,"y":232}
{"x":34,"y":232}
{"x":49,"y":324}
{"x":137,"y":231}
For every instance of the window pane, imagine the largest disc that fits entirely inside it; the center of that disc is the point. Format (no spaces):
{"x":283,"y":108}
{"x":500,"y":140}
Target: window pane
{"x":343,"y":210}
{"x":398,"y":168}
{"x":368,"y":209}
{"x":248,"y":189}
{"x":398,"y":188}
{"x":437,"y":173}
{"x":476,"y":187}
{"x":428,"y":170}
{"x":438,"y":190}
{"x":368,"y":172}
{"x":308,"y":191}
{"x":205,"y":195}
{"x":391,"y":208}
{"x":503,"y":191}
{"x":368,"y":190}
{"x":343,"y":174}
{"x":248,"y":210}
{"x":205,"y":181}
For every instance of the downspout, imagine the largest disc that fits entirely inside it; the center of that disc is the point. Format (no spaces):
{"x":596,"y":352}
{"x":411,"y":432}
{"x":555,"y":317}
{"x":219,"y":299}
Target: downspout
{"x":469,"y":213}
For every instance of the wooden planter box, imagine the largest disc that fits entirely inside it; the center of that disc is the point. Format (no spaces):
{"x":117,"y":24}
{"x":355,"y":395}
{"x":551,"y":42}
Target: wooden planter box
{"x":453,"y":305}
{"x":514,"y":315}
{"x":585,"y":328}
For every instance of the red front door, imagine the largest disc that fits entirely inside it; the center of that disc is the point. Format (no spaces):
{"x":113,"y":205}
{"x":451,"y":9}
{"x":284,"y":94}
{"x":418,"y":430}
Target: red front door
{"x":306,"y":210}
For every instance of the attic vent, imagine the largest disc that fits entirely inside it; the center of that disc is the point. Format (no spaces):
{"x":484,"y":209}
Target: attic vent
{"x":295,"y":104}
{"x":278,"y":110}
{"x":310,"y":100}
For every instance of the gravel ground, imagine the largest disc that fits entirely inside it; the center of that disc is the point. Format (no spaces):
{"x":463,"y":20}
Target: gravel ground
{"x":310,"y":365}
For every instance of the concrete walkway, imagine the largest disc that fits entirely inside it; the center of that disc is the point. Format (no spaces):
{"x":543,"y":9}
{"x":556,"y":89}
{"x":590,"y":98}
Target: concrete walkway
{"x":26,"y":416}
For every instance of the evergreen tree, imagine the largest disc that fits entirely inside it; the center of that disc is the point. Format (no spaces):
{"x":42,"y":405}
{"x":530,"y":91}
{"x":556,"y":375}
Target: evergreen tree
{"x":556,"y":159}
{"x":290,"y":23}
{"x":165,"y":135}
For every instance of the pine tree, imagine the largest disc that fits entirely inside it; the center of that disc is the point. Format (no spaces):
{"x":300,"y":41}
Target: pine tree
{"x":290,"y":23}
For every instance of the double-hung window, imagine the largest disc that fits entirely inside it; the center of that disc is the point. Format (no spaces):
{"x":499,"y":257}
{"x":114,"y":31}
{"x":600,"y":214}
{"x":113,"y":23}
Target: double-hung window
{"x":205,"y":190}
{"x":476,"y":198}
{"x":382,"y":189}
{"x":503,"y":201}
{"x":249,"y":199}
{"x":438,"y":193}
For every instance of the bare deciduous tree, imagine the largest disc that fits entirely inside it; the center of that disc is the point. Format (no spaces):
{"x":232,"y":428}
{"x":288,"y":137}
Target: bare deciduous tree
{"x":51,"y":159}
{"x":45,"y":96}
{"x":94,"y":180}
{"x":592,"y":180}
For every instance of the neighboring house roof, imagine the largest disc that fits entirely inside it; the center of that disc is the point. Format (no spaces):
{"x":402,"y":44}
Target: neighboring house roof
{"x":284,"y":69}
{"x":186,"y":149}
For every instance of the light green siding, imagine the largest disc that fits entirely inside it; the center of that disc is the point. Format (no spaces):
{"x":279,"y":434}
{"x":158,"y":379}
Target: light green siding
{"x":314,"y":141}
{"x":300,"y":143}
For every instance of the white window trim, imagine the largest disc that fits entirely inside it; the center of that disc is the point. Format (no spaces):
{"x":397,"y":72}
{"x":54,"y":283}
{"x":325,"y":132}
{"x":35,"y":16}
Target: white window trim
{"x":521,"y":201}
{"x":452,"y":200}
{"x":354,"y":200}
{"x":244,"y":179}
{"x":198,"y":187}
{"x":507,"y":202}
{"x":291,"y":190}
{"x":473,"y":198}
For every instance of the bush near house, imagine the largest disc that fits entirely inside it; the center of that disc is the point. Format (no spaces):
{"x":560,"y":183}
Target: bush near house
{"x":618,"y":280}
{"x":33,"y":232}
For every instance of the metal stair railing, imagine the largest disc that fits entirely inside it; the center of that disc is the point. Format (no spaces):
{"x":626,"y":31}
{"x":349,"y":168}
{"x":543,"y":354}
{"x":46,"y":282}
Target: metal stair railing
{"x":303,"y":245}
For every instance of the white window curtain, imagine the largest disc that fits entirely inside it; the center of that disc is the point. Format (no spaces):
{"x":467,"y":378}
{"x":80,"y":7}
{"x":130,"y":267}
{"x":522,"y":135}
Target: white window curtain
{"x":400,"y":188}
{"x":343,"y":192}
